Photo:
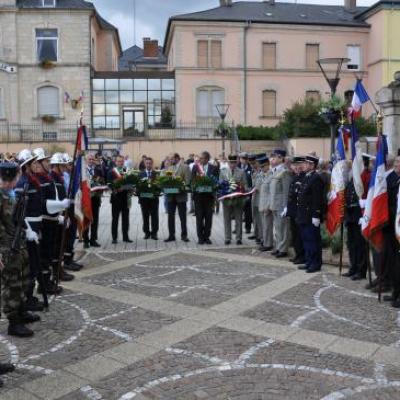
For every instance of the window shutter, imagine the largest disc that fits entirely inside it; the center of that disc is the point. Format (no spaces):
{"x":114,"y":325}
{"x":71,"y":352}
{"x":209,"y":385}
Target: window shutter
{"x":216,"y":54}
{"x":217,"y":98}
{"x":269,"y":103}
{"x":202,"y":53}
{"x":202,"y":103}
{"x":48,"y":101}
{"x":313,"y":95}
{"x":269,"y":55}
{"x":354,"y":53}
{"x":312,"y":56}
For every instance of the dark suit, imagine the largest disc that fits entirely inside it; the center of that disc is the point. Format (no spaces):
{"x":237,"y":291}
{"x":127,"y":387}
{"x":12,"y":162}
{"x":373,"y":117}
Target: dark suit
{"x":149,"y":208}
{"x":119,"y":205}
{"x":204,"y":204}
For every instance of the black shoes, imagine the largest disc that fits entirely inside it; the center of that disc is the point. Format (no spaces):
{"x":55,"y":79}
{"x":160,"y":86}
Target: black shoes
{"x":66,"y":277}
{"x":239,"y":242}
{"x":86,"y":245}
{"x":281,"y":255}
{"x":170,"y":239}
{"x":127,"y":240}
{"x":94,"y":243}
{"x":72,"y":267}
{"x":253,"y":237}
{"x":358,"y":277}
{"x":33,"y":304}
{"x":312,"y":270}
{"x":18,"y":329}
{"x":147,"y":236}
{"x":302,"y":267}
{"x":201,"y":242}
{"x":208,"y":241}
{"x":6,"y":368}
{"x":262,"y":248}
{"x":275,"y":252}
{"x":348,"y":274}
{"x":185,"y":239}
{"x":115,"y":241}
{"x":28,"y":318}
{"x":154,"y":237}
{"x":227,"y":242}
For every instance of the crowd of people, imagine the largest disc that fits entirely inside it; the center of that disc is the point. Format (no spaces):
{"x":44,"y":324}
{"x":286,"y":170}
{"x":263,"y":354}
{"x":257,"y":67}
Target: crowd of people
{"x":280,"y":201}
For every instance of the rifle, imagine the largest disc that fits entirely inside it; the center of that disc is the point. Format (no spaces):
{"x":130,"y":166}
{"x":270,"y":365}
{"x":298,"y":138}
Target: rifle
{"x":19,"y":216}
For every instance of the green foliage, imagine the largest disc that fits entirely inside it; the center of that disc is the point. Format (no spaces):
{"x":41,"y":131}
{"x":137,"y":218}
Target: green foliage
{"x":335,"y":103}
{"x":166,"y":115}
{"x":257,"y":133}
{"x":325,"y":237}
{"x":366,"y":127}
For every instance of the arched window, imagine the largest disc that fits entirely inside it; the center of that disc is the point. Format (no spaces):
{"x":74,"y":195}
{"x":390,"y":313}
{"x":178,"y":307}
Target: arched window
{"x":207,"y":99}
{"x":48,"y":100}
{"x":269,"y":103}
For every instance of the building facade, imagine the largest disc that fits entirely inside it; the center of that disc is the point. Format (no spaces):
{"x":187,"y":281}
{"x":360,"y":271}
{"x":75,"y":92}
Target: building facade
{"x":260,"y":57}
{"x":48,"y":52}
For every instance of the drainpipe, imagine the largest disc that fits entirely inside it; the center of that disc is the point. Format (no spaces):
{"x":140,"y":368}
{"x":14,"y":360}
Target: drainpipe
{"x":245,"y":30}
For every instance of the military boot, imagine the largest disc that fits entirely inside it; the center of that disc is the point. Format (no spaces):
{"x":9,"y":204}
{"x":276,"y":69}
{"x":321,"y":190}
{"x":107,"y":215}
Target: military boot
{"x":28,"y":318}
{"x":6,"y":368}
{"x":33,"y":304}
{"x":18,"y":329}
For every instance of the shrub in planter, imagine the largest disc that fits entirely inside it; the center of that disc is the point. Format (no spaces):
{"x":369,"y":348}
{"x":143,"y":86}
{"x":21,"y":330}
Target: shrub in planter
{"x":48,"y":119}
{"x":47,"y":64}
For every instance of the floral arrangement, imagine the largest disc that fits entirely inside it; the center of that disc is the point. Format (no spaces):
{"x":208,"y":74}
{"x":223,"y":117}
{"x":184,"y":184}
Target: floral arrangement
{"x":126,"y":182}
{"x":171,"y":184}
{"x":204,"y":184}
{"x":148,"y":188}
{"x":332,"y":109}
{"x":226,"y":187}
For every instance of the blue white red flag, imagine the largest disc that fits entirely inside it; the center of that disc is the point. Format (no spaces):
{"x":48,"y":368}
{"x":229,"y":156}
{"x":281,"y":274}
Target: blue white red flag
{"x":81,"y":185}
{"x":336,"y":195}
{"x":358,"y":165}
{"x":376,"y":214}
{"x":360,"y":97}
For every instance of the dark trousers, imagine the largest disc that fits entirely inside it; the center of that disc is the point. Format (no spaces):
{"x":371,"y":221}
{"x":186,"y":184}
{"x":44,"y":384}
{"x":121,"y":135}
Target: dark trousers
{"x":96,"y":203}
{"x":203,"y":205}
{"x":48,"y":244}
{"x":357,"y":247}
{"x":311,"y":236}
{"x":172,"y":206}
{"x":119,"y":206}
{"x":34,"y":265}
{"x":296,"y":239}
{"x":248,"y":215}
{"x":150,"y":213}
{"x":70,"y":240}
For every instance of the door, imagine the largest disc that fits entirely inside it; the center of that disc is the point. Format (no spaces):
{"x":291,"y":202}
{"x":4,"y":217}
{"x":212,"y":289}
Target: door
{"x":133,"y":122}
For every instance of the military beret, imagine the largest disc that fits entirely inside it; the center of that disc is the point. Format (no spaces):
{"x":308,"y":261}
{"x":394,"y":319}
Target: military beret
{"x":312,"y":159}
{"x":263,"y":160}
{"x":8,"y":170}
{"x":232,"y":158}
{"x":279,"y":153}
{"x":298,"y":159}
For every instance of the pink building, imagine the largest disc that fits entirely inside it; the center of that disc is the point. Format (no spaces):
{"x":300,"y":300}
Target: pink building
{"x":260,"y":56}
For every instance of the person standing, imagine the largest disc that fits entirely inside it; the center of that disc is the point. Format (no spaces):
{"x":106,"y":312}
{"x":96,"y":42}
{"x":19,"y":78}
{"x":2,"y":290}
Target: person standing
{"x":291,"y":209}
{"x":119,"y":202}
{"x":149,"y":206}
{"x":204,"y":202}
{"x":248,"y":170}
{"x":178,"y":201}
{"x":256,"y":179}
{"x":264,"y":203}
{"x":279,"y":189}
{"x":96,"y":178}
{"x":310,"y":215}
{"x":233,"y":208}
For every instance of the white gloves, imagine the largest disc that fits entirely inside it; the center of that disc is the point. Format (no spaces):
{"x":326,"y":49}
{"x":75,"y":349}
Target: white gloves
{"x":66,"y":203}
{"x":316,"y":222}
{"x":61,"y":220}
{"x":284,"y":213}
{"x":32,"y":236}
{"x":362,"y":203}
{"x":55,"y":206}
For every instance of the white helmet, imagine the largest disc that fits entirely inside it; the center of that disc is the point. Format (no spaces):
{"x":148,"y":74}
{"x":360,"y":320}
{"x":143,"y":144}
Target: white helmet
{"x":57,"y":158}
{"x":40,"y":154}
{"x":25,"y":156}
{"x":67,"y":158}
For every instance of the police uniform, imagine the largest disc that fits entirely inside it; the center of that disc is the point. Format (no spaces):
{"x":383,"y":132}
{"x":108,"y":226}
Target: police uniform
{"x":264,"y":203}
{"x":291,"y":212}
{"x":256,"y":178}
{"x":279,"y":192}
{"x":309,"y":217}
{"x":234,"y":208}
{"x":15,"y":277}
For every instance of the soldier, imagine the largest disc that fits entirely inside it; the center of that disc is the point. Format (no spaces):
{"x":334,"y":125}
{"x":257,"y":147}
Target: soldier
{"x":119,"y":202}
{"x":174,"y":201}
{"x":267,"y":221}
{"x":279,"y":192}
{"x":234,"y":208}
{"x":256,"y":181}
{"x":33,"y":220}
{"x":310,"y":215}
{"x":204,"y":202}
{"x":248,"y":170}
{"x":291,"y":209}
{"x":14,"y":261}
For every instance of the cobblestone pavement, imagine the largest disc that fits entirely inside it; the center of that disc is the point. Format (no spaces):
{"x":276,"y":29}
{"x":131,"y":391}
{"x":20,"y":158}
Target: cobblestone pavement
{"x":197,"y":324}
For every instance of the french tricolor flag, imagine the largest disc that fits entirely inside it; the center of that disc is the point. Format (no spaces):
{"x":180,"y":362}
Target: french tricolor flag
{"x":81,"y":185}
{"x":360,"y":97}
{"x":358,"y":165}
{"x":376,"y":214}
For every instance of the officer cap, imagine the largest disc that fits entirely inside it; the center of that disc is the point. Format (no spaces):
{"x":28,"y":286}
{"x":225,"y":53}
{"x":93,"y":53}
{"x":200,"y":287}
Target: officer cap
{"x":67,"y":158}
{"x":57,"y":158}
{"x":312,"y":159}
{"x":8,"y":170}
{"x":252,"y":157}
{"x":298,"y":159}
{"x":40,"y":154}
{"x":244,"y":155}
{"x":232,"y":158}
{"x":279,"y":153}
{"x":263,"y":160}
{"x":25,"y":156}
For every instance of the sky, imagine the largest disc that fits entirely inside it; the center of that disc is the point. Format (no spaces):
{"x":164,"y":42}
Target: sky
{"x":152,"y":15}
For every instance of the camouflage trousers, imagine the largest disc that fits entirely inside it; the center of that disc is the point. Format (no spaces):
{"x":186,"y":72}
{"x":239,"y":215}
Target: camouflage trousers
{"x":15,"y":281}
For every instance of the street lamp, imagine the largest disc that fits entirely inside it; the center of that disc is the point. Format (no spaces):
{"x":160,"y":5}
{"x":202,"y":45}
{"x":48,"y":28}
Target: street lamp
{"x":331,"y":69}
{"x":223,"y":111}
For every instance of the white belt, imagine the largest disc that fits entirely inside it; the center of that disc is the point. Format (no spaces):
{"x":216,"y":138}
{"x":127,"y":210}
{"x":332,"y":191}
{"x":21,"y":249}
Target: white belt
{"x":34,"y":219}
{"x":47,"y":218}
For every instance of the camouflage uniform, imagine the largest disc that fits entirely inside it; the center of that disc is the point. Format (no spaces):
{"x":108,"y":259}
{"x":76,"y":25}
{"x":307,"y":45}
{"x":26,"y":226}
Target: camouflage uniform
{"x":15,"y":276}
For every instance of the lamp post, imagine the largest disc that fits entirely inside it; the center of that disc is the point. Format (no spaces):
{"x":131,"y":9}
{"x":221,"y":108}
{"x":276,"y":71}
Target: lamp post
{"x":331,"y":69}
{"x":223,"y":111}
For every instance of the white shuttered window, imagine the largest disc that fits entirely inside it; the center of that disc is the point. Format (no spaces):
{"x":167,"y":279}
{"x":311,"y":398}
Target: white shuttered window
{"x":48,"y":101}
{"x":354,"y":53}
{"x":207,"y":99}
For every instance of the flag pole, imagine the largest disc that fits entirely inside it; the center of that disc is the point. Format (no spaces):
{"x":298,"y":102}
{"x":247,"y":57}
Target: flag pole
{"x":67,"y":212}
{"x":342,"y":122}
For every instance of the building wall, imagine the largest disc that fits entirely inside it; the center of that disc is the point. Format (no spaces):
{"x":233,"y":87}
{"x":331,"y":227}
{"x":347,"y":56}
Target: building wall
{"x":290,"y":80}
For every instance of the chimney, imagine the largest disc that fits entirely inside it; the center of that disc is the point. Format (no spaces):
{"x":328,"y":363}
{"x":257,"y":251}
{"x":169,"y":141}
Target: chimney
{"x":150,"y":48}
{"x":350,"y":5}
{"x":225,"y":3}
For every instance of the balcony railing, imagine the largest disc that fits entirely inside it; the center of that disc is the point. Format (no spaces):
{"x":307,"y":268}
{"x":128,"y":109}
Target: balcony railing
{"x":63,"y":132}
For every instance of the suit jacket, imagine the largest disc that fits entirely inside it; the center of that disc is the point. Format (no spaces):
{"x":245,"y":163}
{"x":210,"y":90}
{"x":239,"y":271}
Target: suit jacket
{"x":142,"y":175}
{"x":183,"y":171}
{"x":249,"y":172}
{"x":279,"y":189}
